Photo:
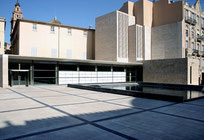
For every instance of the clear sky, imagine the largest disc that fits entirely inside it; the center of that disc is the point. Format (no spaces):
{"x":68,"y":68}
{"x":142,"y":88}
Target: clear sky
{"x":80,"y":13}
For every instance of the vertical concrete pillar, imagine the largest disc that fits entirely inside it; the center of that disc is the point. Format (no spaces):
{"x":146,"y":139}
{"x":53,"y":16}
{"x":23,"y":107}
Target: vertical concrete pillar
{"x":31,"y":74}
{"x":4,"y":71}
{"x":57,"y":74}
{"x":78,"y":70}
{"x":125,"y":70}
{"x":96,"y":70}
{"x":112,"y":73}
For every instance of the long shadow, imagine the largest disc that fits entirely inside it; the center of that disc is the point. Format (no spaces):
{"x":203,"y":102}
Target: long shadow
{"x":128,"y":123}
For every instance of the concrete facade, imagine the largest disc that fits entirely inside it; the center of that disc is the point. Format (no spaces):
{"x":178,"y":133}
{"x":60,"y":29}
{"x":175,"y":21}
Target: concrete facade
{"x":2,"y":31}
{"x":167,"y":41}
{"x":4,"y":71}
{"x":172,"y":71}
{"x":112,"y":36}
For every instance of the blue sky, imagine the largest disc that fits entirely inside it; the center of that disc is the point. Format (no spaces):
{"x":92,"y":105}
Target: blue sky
{"x":79,"y":13}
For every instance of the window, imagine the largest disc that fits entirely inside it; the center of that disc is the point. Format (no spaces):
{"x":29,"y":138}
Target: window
{"x":197,"y":19}
{"x":197,"y":47}
{"x":54,"y":53}
{"x":198,"y":34}
{"x":84,"y":55}
{"x":186,"y":43}
{"x":203,"y":22}
{"x":186,"y":14}
{"x":69,"y":54}
{"x":69,"y":32}
{"x":85,"y":33}
{"x":34,"y":27}
{"x":34,"y":51}
{"x":186,"y":33}
{"x":52,"y":29}
{"x":17,"y":9}
{"x":192,"y":15}
{"x":192,"y":45}
{"x":192,"y":34}
{"x":203,"y":48}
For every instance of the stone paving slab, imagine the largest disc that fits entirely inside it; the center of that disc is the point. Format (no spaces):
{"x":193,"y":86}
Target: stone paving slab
{"x":150,"y":125}
{"x":185,"y":110}
{"x":7,"y":96}
{"x":141,"y":102}
{"x":197,"y":102}
{"x":84,"y":132}
{"x":63,"y":100}
{"x":58,"y":112}
{"x":105,"y":96}
{"x":97,"y":110}
{"x":16,"y":104}
{"x":29,"y":121}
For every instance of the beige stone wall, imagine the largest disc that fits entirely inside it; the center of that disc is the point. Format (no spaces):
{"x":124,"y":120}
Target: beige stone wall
{"x":2,"y":30}
{"x":148,"y":13}
{"x":194,"y":69}
{"x":132,"y":43}
{"x":55,"y":44}
{"x":165,"y":12}
{"x":4,"y":71}
{"x":171,"y":71}
{"x":167,"y":41}
{"x":128,"y":8}
{"x":106,"y":37}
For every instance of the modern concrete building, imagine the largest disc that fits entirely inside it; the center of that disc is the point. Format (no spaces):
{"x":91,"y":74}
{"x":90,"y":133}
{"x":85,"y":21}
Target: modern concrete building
{"x":142,"y":41}
{"x":159,"y":32}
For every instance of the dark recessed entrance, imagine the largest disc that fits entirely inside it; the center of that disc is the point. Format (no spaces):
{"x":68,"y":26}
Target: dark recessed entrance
{"x":19,"y":77}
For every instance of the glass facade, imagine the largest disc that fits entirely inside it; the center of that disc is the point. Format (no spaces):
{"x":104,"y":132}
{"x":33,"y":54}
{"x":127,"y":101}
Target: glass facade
{"x":41,"y":72}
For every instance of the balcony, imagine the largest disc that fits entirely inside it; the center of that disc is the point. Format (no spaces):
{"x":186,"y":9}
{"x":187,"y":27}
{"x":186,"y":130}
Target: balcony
{"x":190,"y":20}
{"x":200,"y":38}
{"x":202,"y":27}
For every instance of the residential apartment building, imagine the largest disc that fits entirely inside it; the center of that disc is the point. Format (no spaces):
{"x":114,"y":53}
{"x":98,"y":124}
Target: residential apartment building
{"x":2,"y":30}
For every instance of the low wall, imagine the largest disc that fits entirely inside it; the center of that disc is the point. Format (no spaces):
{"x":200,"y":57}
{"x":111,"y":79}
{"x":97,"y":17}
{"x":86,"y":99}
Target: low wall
{"x":172,"y":71}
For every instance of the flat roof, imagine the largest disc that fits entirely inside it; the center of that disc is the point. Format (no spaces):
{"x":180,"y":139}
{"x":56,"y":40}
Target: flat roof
{"x":53,"y":24}
{"x":33,"y":58}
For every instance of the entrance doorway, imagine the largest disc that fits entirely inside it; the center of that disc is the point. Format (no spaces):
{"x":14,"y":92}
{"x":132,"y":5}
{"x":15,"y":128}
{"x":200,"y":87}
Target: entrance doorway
{"x":19,"y":77}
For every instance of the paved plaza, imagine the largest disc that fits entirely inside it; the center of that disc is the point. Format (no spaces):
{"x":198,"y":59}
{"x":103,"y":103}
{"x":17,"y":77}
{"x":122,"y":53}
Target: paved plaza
{"x":59,"y":112}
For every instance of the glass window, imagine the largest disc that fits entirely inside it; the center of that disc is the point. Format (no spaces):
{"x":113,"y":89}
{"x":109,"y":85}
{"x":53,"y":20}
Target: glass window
{"x":192,"y":45}
{"x":69,"y":31}
{"x":202,"y":47}
{"x":52,"y":29}
{"x":186,"y":43}
{"x":85,"y":33}
{"x":192,"y":34}
{"x":192,"y":15}
{"x":203,"y":22}
{"x":186,"y":33}
{"x":34,"y":27}
{"x":197,"y":19}
{"x":186,"y":14}
{"x":197,"y":47}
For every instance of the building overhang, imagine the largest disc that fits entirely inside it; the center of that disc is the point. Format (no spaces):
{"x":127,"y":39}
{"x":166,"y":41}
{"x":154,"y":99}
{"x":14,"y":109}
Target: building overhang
{"x":77,"y":61}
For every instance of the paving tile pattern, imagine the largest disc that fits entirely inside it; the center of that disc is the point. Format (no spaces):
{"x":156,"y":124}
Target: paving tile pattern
{"x":59,"y":112}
